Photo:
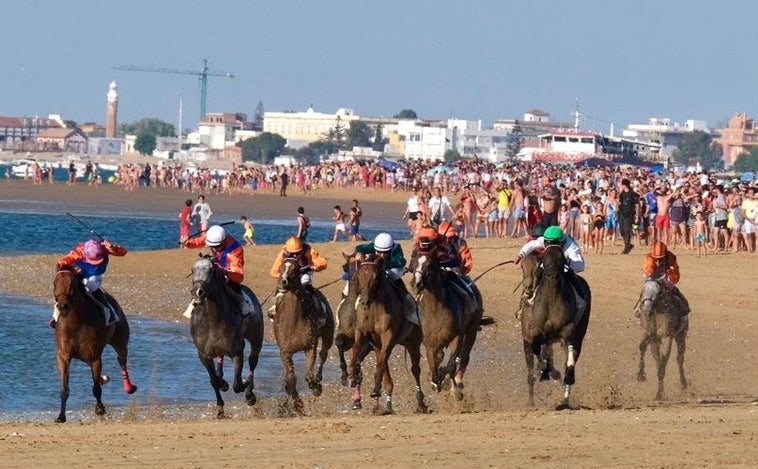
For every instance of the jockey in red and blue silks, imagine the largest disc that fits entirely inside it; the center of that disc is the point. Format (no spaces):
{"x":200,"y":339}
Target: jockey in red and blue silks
{"x":91,"y":260}
{"x":227,"y":251}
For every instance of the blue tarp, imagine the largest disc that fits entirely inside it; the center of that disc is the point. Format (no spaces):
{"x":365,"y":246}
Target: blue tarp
{"x":747,"y":177}
{"x":389,"y":165}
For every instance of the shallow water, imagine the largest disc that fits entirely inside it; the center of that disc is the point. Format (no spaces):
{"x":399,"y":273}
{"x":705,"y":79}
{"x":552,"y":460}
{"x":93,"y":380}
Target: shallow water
{"x":163,"y":364}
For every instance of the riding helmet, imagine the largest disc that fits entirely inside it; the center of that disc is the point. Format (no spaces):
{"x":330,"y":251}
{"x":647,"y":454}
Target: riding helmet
{"x":94,"y":252}
{"x":215,"y":236}
{"x":293,"y":244}
{"x":383,"y":242}
{"x":553,"y":234}
{"x":426,"y":238}
{"x":446,"y":229}
{"x":658,"y":250}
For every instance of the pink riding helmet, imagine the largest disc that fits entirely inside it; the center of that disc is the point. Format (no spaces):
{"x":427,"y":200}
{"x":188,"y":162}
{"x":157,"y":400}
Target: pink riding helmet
{"x":94,"y":252}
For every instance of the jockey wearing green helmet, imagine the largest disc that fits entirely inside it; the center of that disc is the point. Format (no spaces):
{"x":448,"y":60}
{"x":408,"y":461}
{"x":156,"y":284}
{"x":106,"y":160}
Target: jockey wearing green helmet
{"x":574,"y":260}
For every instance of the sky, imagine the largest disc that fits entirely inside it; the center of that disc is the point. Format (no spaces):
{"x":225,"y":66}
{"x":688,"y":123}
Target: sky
{"x":623,"y":61}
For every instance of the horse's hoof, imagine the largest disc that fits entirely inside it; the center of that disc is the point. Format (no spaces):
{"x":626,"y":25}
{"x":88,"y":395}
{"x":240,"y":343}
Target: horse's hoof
{"x":357,"y":405}
{"x":344,"y":381}
{"x":422,"y":409}
{"x":251,"y":398}
{"x":684,"y":384}
{"x":555,"y":374}
{"x":545,"y":376}
{"x":61,"y":418}
{"x":641,"y":377}
{"x":220,"y":413}
{"x":224,"y":386}
{"x":99,"y":409}
{"x":104,"y":379}
{"x":563,"y":406}
{"x":238,"y":388}
{"x":130,"y":388}
{"x":317,"y":389}
{"x":387,"y":410}
{"x":457,"y":394}
{"x":659,"y":396}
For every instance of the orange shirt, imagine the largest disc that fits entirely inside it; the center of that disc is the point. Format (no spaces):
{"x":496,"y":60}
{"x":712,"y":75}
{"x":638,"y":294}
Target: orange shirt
{"x":314,"y":259}
{"x":77,"y":254}
{"x":667,"y":265}
{"x":230,"y":256}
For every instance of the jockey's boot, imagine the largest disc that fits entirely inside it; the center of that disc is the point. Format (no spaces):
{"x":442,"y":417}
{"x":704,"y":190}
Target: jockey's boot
{"x":271,"y":313}
{"x":320,"y":310}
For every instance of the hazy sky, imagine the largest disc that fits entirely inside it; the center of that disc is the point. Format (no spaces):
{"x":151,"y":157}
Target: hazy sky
{"x":625,"y":61}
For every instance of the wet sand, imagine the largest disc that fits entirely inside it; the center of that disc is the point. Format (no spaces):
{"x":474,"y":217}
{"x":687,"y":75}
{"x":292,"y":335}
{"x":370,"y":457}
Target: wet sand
{"x":615,"y":421}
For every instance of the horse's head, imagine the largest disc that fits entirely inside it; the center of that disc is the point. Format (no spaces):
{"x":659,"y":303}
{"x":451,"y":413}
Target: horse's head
{"x":65,"y":286}
{"x":650,"y":290}
{"x":425,"y":271}
{"x":204,"y":278}
{"x":368,"y":277}
{"x":553,"y":261}
{"x":289,"y":275}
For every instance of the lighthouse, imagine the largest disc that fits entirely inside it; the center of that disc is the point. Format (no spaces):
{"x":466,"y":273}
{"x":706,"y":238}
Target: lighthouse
{"x":111,"y":118}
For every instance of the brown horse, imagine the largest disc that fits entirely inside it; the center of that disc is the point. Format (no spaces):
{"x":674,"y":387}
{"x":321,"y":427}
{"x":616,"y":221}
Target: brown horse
{"x":345,"y":334}
{"x":553,"y":316}
{"x":380,"y":320}
{"x":81,"y":332}
{"x":218,"y":329}
{"x":440,"y":321}
{"x":661,"y":322}
{"x":298,"y":327}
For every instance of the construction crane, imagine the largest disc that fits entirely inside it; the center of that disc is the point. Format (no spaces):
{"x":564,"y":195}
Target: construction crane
{"x":204,"y":73}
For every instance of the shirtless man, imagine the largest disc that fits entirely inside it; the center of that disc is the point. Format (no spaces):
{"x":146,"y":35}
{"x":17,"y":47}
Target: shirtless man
{"x":662,"y":219}
{"x":519,"y":212}
{"x":482,"y":204}
{"x":551,"y":202}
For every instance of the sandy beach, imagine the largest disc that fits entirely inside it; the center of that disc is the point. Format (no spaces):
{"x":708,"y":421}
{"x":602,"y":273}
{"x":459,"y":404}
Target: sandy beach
{"x":616,"y":421}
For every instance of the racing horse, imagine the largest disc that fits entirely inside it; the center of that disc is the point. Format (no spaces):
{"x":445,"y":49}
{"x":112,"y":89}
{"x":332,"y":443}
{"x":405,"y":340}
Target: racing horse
{"x":661,"y":322}
{"x":81,"y":332}
{"x":440,"y":321}
{"x":380,"y":321}
{"x":553,"y":316}
{"x":298,"y":327}
{"x":218,"y":329}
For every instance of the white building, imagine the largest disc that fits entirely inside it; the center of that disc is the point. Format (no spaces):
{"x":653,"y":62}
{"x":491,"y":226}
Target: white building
{"x":664,"y":132}
{"x":302,"y":128}
{"x":423,"y":140}
{"x":217,"y":130}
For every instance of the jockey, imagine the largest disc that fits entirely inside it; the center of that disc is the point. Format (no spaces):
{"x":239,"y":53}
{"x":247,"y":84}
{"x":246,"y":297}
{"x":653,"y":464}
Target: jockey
{"x":91,"y":259}
{"x":230,"y":258}
{"x":571,"y":251}
{"x":394,"y":266}
{"x":455,"y":256}
{"x":660,"y":263}
{"x":310,"y":260}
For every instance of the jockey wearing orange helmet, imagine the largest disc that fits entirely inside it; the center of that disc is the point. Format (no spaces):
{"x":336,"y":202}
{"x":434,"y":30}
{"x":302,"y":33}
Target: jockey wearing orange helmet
{"x":661,"y":264}
{"x":91,"y":260}
{"x":310,"y":261}
{"x":457,"y":247}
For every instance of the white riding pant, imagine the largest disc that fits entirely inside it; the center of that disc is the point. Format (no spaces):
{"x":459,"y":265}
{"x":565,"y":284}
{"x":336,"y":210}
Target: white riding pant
{"x":93,"y":283}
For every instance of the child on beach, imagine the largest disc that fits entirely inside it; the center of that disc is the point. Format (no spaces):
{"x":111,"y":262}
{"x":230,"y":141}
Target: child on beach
{"x":303,"y":223}
{"x":185,"y":220}
{"x":585,"y":220}
{"x":700,"y":237}
{"x":598,"y":227}
{"x":460,"y":220}
{"x":249,"y":231}
{"x":339,"y":220}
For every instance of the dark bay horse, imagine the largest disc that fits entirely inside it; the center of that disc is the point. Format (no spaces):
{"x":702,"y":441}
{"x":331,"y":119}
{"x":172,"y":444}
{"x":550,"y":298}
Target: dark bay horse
{"x":345,"y":334}
{"x":661,"y":322}
{"x":440,"y":322}
{"x":380,"y":321}
{"x":298,"y":327}
{"x":81,"y":333}
{"x":218,"y":329}
{"x":552,"y":317}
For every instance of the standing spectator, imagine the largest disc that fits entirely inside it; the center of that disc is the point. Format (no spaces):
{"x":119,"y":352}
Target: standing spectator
{"x":204,"y":211}
{"x":249,"y":231}
{"x":749,"y":210}
{"x":721,"y":217}
{"x":551,"y":202}
{"x":519,"y":210}
{"x":285,"y":180}
{"x":438,"y":206}
{"x":303,"y":223}
{"x":339,"y":223}
{"x":504,"y":197}
{"x":71,"y":173}
{"x":411,"y":212}
{"x":627,"y":212}
{"x":701,"y":228}
{"x":185,"y":217}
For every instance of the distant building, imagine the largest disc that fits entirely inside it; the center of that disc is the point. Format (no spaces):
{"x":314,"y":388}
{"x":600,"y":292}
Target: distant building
{"x":217,"y":130}
{"x":533,"y":123}
{"x":92,"y":129}
{"x":20,"y":133}
{"x":536,"y":115}
{"x":302,"y":128}
{"x":739,"y":137}
{"x":111,"y":117}
{"x":662,"y":132}
{"x":105,"y":146}
{"x":57,"y":139}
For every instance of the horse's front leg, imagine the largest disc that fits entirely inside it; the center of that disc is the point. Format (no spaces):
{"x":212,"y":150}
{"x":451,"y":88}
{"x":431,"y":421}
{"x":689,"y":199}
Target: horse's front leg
{"x":310,"y":378}
{"x":290,"y":380}
{"x":237,"y":362}
{"x":252,"y":362}
{"x":662,"y":362}
{"x":382,"y":373}
{"x":681,"y":347}
{"x":530,"y":378}
{"x":216,"y":382}
{"x":414,"y":351}
{"x":64,"y":366}
{"x":354,"y":369}
{"x":323,"y":355}
{"x":97,"y":390}
{"x":343,"y":362}
{"x":641,"y":376}
{"x":569,"y":376}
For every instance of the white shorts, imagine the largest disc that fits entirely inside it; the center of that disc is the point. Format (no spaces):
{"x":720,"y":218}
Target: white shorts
{"x":504,"y":213}
{"x":748,"y":227}
{"x":340,"y":227}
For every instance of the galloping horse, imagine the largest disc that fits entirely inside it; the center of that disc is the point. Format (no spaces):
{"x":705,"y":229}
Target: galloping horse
{"x":661,"y":322}
{"x":297,"y":329}
{"x":81,"y":332}
{"x":380,"y":320}
{"x":345,"y":334}
{"x":218,"y":328}
{"x":441,"y":325}
{"x":553,"y":316}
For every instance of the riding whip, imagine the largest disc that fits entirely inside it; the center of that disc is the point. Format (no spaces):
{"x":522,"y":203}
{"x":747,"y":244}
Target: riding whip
{"x":203,"y":231}
{"x":330,"y":283}
{"x":268,"y":296}
{"x":87,"y":227}
{"x":494,"y":266}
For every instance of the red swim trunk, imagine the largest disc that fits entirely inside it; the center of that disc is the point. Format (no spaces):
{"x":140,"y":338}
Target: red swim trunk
{"x":662,"y":221}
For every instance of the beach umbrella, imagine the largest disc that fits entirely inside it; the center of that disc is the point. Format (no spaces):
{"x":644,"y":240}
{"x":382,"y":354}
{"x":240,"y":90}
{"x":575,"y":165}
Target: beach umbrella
{"x":389,"y":165}
{"x":438,"y":169}
{"x":747,"y":177}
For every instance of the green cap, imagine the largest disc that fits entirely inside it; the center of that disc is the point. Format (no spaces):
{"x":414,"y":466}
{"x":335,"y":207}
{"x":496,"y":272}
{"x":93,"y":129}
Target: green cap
{"x":553,"y":233}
